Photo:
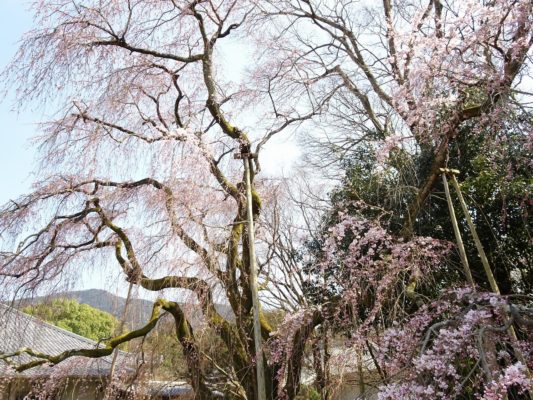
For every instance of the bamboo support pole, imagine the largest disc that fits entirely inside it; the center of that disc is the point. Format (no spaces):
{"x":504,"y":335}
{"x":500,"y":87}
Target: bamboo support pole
{"x":261,"y":387}
{"x":481,"y":252}
{"x":457,"y":232}
{"x":486,"y":266}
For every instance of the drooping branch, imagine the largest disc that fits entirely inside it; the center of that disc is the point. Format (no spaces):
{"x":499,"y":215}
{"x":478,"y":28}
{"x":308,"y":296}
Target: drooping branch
{"x":110,"y":345}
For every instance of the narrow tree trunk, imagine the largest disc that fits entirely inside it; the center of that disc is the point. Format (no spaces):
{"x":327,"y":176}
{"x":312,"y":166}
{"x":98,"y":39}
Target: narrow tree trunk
{"x":318,"y":365}
{"x":424,"y":192}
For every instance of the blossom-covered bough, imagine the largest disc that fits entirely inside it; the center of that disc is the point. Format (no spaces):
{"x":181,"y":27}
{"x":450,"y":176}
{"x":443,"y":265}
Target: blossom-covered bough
{"x":465,"y":348}
{"x":411,"y":73}
{"x":138,"y":170}
{"x":456,"y":344}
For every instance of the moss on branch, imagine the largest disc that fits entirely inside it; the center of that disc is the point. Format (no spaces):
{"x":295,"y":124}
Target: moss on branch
{"x":110,"y":345}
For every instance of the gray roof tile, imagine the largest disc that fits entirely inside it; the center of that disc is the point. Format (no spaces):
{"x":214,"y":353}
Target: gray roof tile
{"x":18,"y":330}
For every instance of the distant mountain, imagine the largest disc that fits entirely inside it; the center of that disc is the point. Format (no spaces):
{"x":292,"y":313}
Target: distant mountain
{"x":139,"y":310}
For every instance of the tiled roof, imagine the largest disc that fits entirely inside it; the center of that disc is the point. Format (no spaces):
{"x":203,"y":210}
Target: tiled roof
{"x":169,"y":389}
{"x":18,"y":330}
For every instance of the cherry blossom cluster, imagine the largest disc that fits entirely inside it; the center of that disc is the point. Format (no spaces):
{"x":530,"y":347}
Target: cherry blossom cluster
{"x":369,"y":259}
{"x":458,"y":344}
{"x":460,"y":57}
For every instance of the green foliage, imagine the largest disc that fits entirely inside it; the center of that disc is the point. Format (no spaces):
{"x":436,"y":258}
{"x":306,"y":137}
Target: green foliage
{"x":496,"y":181}
{"x":308,"y":392}
{"x":164,"y":352}
{"x":499,"y":189}
{"x":81,"y":319}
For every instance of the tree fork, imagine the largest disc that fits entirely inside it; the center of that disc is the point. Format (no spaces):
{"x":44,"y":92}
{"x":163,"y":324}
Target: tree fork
{"x":425,"y":190}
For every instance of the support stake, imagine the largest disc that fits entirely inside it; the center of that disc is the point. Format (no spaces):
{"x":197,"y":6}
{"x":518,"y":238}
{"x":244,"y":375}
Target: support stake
{"x":490,"y":276}
{"x":486,"y":266}
{"x":457,"y":232}
{"x":259,"y":360}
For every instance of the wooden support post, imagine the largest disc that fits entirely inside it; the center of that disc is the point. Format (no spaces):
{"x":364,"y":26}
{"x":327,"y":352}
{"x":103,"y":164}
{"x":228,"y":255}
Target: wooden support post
{"x":486,"y":266}
{"x":259,"y":359}
{"x":457,"y":232}
{"x":109,"y":388}
{"x":481,"y":252}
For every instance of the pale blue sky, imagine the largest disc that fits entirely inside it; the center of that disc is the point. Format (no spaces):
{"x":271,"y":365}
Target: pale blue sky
{"x":17,"y":127}
{"x":16,"y":156}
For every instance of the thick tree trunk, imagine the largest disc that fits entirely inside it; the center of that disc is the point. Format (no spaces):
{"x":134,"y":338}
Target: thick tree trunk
{"x":425,"y":190}
{"x":185,"y":336}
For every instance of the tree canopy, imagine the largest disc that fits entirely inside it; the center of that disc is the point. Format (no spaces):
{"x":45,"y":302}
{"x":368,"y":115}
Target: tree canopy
{"x":142,"y":171}
{"x":81,"y":319}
